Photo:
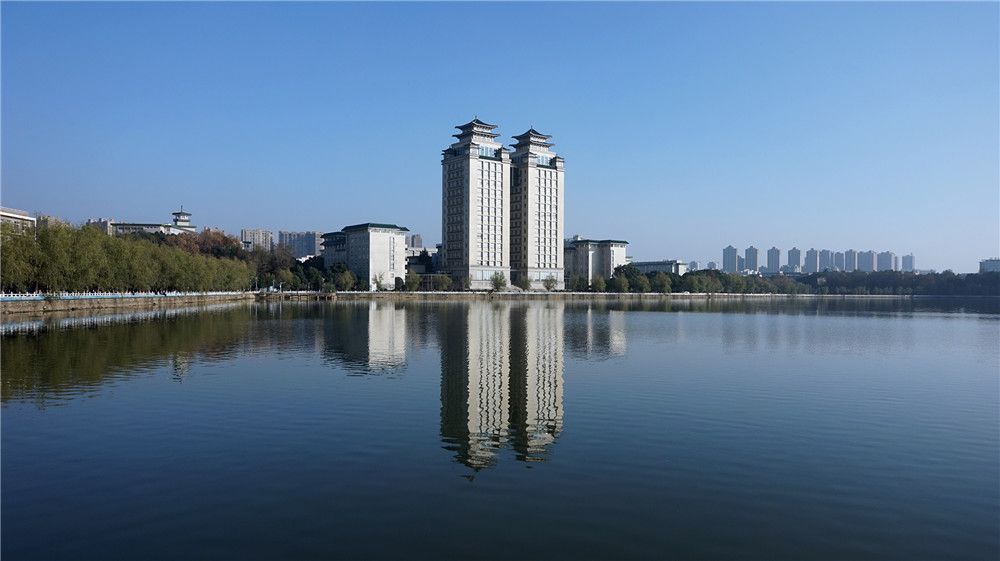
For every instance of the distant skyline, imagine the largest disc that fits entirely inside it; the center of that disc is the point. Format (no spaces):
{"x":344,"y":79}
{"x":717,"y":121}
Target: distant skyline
{"x":686,"y":127}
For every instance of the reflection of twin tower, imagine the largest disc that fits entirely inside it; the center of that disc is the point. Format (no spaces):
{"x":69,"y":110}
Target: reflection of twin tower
{"x":501,"y":380}
{"x":501,"y":364}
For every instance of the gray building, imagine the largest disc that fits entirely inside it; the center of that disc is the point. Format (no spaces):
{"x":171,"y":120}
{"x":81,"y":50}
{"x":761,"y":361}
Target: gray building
{"x":773,"y":260}
{"x":909,"y":263}
{"x":989,"y":266}
{"x":257,"y":239}
{"x":730,"y":260}
{"x":866,"y":261}
{"x":826,"y":260}
{"x":811,"y":264}
{"x":838,"y":261}
{"x":302,"y":244}
{"x":886,"y":261}
{"x":750,"y":260}
{"x":795,"y":259}
{"x":666,"y":266}
{"x":850,"y":260}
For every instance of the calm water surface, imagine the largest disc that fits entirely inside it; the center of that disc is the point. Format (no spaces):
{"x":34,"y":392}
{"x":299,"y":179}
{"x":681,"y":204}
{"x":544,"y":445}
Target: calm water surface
{"x":807,"y":429}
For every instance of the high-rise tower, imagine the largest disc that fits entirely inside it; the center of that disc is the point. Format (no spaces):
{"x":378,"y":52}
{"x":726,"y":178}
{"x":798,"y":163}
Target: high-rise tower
{"x":537,"y":206}
{"x":475,"y":203}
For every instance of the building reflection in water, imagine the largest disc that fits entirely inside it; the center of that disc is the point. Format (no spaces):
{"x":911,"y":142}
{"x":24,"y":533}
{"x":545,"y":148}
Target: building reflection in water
{"x":366,"y":338}
{"x":595,"y":333}
{"x":501,"y":380}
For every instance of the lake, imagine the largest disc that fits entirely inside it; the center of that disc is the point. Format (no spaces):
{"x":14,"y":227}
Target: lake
{"x":799,"y":428}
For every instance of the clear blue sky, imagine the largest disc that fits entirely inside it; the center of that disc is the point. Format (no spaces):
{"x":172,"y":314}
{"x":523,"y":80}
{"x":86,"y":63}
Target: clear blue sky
{"x":686,"y":127}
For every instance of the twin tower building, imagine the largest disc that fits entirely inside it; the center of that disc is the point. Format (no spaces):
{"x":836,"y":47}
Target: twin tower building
{"x":501,"y":209}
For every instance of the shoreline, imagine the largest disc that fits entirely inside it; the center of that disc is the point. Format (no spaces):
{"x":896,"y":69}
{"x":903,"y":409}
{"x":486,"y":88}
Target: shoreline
{"x":43,"y":306}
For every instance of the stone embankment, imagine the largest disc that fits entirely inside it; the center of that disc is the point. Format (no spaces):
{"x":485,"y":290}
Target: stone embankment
{"x":34,"y":305}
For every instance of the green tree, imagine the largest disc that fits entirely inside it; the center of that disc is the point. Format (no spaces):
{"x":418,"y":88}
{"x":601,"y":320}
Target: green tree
{"x":641,"y":284}
{"x":618,"y":283}
{"x":19,"y":257}
{"x":550,"y":283}
{"x":442,"y":282}
{"x":523,"y":282}
{"x":345,"y":280}
{"x":498,"y":281}
{"x":578,"y":284}
{"x":660,"y":282}
{"x":597,"y":284}
{"x":412,"y":281}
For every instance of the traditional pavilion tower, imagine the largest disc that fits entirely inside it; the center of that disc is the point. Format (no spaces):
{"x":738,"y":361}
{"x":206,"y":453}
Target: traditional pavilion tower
{"x":475,"y":206}
{"x":537,"y":209}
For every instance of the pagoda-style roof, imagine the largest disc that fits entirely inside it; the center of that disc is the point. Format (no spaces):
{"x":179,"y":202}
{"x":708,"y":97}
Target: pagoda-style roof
{"x":533,"y":138}
{"x":477,"y":127}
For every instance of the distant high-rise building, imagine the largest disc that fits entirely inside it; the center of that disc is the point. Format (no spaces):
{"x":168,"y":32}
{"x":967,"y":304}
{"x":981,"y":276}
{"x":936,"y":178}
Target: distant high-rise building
{"x":750,"y":260}
{"x":886,"y":261}
{"x":536,"y":210}
{"x":811,"y":264}
{"x":730,"y":263}
{"x":773,"y":260}
{"x":795,"y":259}
{"x":909,"y":263}
{"x":825,"y":260}
{"x":838,"y":261}
{"x":253,"y":239}
{"x":694,"y":266}
{"x":850,"y":260}
{"x":741,"y":263}
{"x":302,"y":244}
{"x":712,"y":266}
{"x":866,"y":261}
{"x":416,"y":241}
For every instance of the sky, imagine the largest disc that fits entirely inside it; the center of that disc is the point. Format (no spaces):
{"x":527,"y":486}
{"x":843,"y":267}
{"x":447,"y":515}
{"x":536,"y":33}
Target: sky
{"x":685,"y":126}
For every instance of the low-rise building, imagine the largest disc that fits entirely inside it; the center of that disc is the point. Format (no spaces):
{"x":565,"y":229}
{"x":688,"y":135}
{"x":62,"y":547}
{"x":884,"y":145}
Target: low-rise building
{"x":589,"y":258}
{"x":666,"y":266}
{"x":372,"y":251}
{"x":989,"y":266}
{"x":17,"y":218}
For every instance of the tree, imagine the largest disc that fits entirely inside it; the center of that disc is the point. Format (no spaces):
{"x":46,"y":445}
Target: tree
{"x":379,"y":281}
{"x":467,"y":283}
{"x":442,"y":282}
{"x":523,"y":282}
{"x":660,"y":282}
{"x":641,"y":284}
{"x":597,"y":284}
{"x":578,"y":284}
{"x":498,"y":281}
{"x":619,"y":283}
{"x":345,"y":280}
{"x":550,"y":283}
{"x":412,"y":281}
{"x":630,"y":272}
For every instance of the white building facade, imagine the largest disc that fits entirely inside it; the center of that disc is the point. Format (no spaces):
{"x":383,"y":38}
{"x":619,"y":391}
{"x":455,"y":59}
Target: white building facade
{"x":537,"y":210}
{"x":253,"y":239}
{"x":589,"y":258}
{"x":375,"y":252}
{"x":475,"y":207}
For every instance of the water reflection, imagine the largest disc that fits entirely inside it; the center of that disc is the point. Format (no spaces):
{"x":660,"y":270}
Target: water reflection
{"x":366,"y":337}
{"x":501,"y":380}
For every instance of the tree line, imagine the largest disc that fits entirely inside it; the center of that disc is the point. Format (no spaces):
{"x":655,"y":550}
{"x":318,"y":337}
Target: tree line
{"x":62,"y":258}
{"x":628,"y":278}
